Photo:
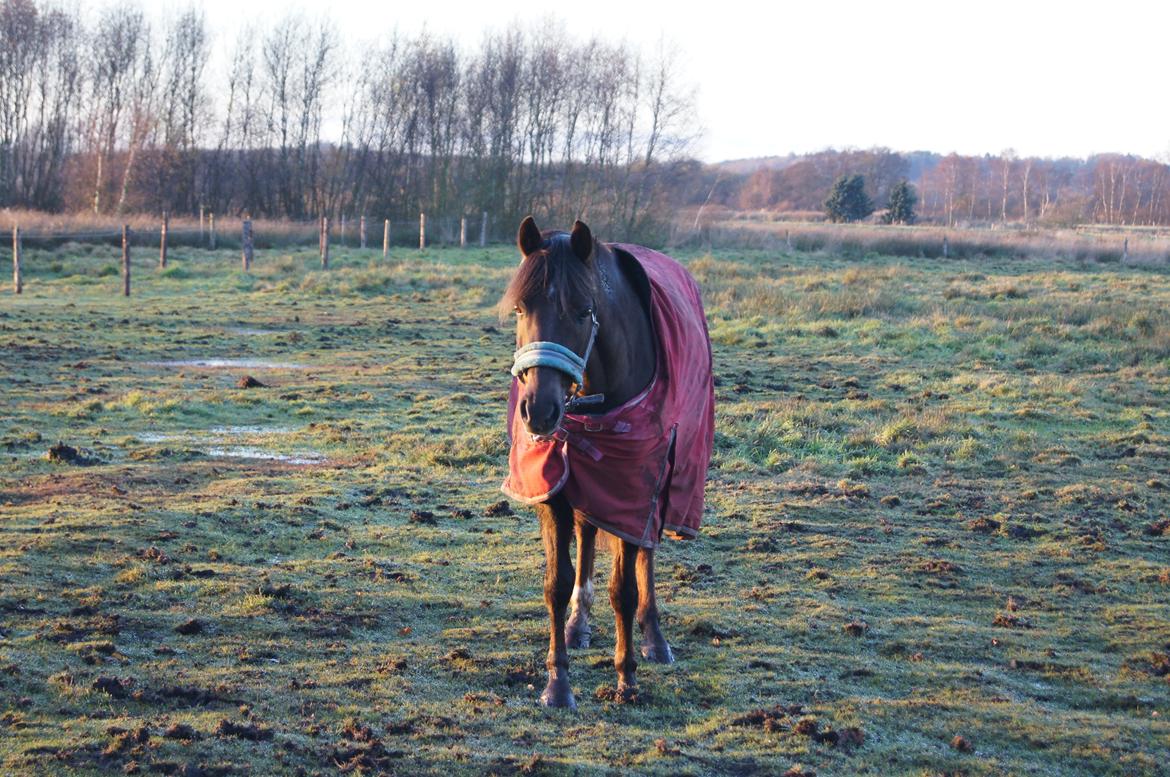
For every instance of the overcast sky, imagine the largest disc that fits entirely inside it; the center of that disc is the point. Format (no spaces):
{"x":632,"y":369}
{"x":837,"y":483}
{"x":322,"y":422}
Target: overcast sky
{"x":1042,"y":78}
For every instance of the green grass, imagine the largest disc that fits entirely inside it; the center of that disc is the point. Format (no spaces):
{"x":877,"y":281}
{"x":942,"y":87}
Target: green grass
{"x":937,"y":508}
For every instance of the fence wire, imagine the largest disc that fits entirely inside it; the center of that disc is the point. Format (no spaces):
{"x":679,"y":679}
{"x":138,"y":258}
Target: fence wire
{"x":439,"y":231}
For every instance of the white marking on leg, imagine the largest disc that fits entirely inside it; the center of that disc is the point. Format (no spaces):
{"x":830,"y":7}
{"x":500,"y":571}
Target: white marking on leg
{"x":582,"y":597}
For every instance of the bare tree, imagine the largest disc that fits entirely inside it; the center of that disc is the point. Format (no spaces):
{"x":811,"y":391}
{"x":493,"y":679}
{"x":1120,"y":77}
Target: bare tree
{"x":39,"y":79}
{"x":142,"y":119}
{"x":183,"y":108}
{"x":117,"y":48}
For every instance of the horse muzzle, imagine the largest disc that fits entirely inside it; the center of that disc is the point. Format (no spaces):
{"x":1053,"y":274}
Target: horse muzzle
{"x":542,"y":416}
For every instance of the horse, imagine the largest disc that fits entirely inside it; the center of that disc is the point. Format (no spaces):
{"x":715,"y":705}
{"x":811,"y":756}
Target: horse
{"x":611,"y":423}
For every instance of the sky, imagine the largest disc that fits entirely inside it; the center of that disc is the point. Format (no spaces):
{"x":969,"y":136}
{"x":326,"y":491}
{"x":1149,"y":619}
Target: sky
{"x":1041,"y":78}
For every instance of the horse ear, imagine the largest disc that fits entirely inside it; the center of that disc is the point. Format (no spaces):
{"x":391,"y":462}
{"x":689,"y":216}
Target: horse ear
{"x":528,"y":238}
{"x":581,"y":239}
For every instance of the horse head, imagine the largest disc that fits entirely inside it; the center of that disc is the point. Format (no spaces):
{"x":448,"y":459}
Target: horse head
{"x":553,"y":296}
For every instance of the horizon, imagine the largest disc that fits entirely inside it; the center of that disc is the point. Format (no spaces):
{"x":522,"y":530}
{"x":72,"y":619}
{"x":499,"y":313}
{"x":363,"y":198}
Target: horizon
{"x":1161,"y":158}
{"x":1043,"y":70}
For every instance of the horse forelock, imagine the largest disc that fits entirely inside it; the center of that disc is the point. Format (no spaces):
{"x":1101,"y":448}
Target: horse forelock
{"x":553,"y":273}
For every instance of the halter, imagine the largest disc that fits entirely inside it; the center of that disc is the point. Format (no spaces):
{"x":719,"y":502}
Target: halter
{"x":543,"y":353}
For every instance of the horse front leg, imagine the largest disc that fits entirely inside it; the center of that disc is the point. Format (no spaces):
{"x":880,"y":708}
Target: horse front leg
{"x":655,"y":648}
{"x":623,"y":595}
{"x":556,"y":527}
{"x":577,"y":631}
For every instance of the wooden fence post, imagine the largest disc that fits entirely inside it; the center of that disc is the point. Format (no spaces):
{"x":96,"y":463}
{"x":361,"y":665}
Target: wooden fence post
{"x":422,"y":231}
{"x":1125,"y":251}
{"x":201,"y":224}
{"x":162,"y":241}
{"x":386,"y":239}
{"x":324,"y":242}
{"x":247,"y":244}
{"x":463,"y":232}
{"x":125,"y":260}
{"x":483,"y":230}
{"x":788,"y":240}
{"x":362,"y":232}
{"x":946,"y":248}
{"x":17,"y":276}
{"x":211,"y":229}
{"x":342,"y":238}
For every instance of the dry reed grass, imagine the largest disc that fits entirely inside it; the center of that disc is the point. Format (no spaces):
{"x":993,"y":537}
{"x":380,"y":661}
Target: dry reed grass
{"x":1090,"y":244}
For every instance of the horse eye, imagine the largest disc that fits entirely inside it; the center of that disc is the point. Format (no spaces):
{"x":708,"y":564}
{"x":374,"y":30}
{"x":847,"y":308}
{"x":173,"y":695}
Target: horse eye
{"x":586,"y":313}
{"x":518,"y":311}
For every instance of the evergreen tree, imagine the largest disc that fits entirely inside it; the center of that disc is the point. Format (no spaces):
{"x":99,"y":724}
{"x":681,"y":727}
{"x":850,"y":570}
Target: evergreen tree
{"x":901,"y":206}
{"x":847,"y":200}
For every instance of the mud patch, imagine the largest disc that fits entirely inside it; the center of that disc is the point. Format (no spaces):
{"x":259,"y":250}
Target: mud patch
{"x":499,"y":508}
{"x":425,"y":517}
{"x":191,"y":696}
{"x":118,"y":687}
{"x":855,"y":628}
{"x":249,"y":731}
{"x":361,"y":751}
{"x":67,"y":454}
{"x":180,"y":731}
{"x":768,"y":719}
{"x":611,"y":694}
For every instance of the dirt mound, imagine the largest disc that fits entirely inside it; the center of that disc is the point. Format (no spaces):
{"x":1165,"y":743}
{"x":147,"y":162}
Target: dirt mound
{"x":499,"y":508}
{"x":67,"y":454}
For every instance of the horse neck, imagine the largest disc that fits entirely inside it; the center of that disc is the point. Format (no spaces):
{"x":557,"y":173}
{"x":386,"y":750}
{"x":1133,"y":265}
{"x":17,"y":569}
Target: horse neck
{"x":623,"y":359}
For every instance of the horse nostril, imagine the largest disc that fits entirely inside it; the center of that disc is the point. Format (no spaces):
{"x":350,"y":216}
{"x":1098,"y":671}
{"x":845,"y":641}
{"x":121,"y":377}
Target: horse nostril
{"x":552,"y":418}
{"x":540,"y":418}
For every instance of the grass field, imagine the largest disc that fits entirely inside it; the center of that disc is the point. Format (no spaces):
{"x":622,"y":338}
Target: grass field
{"x":936,"y":542}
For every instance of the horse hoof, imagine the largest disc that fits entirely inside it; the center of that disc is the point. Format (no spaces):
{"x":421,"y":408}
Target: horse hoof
{"x":627,"y":692}
{"x":577,"y":637}
{"x":558,"y":694}
{"x":658,"y":654}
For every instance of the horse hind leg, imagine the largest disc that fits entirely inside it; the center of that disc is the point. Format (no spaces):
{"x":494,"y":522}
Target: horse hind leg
{"x":655,"y":648}
{"x":556,"y":528}
{"x":623,"y":595}
{"x":577,"y":630}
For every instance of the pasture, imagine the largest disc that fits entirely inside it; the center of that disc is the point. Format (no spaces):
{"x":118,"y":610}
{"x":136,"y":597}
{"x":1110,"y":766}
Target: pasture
{"x":937,"y":538}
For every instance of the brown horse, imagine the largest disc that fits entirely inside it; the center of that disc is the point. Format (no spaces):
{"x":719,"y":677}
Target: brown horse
{"x":597,"y":412}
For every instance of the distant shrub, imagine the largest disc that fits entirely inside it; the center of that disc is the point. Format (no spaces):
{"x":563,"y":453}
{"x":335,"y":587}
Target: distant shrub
{"x":901,"y":206}
{"x":847,"y":200}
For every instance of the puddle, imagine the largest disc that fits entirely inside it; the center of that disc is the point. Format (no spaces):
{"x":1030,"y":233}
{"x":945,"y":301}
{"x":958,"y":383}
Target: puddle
{"x":218,"y":442}
{"x":157,"y":437}
{"x":244,"y":330}
{"x":298,"y":457}
{"x":249,"y":364}
{"x":212,"y":434}
{"x":235,"y":431}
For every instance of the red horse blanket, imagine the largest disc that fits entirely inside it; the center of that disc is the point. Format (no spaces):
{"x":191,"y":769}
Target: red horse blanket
{"x":637,"y":471}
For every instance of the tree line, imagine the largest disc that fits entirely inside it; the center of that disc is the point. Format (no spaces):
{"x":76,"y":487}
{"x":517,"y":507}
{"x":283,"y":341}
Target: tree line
{"x":115,"y":113}
{"x":956,"y":189}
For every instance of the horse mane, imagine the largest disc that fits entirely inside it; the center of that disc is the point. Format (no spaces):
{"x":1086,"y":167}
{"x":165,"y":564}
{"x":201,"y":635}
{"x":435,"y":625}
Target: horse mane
{"x":554,"y":264}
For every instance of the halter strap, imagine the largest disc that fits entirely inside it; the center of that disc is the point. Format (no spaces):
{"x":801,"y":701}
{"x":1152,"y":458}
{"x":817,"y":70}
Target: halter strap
{"x":543,"y":353}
